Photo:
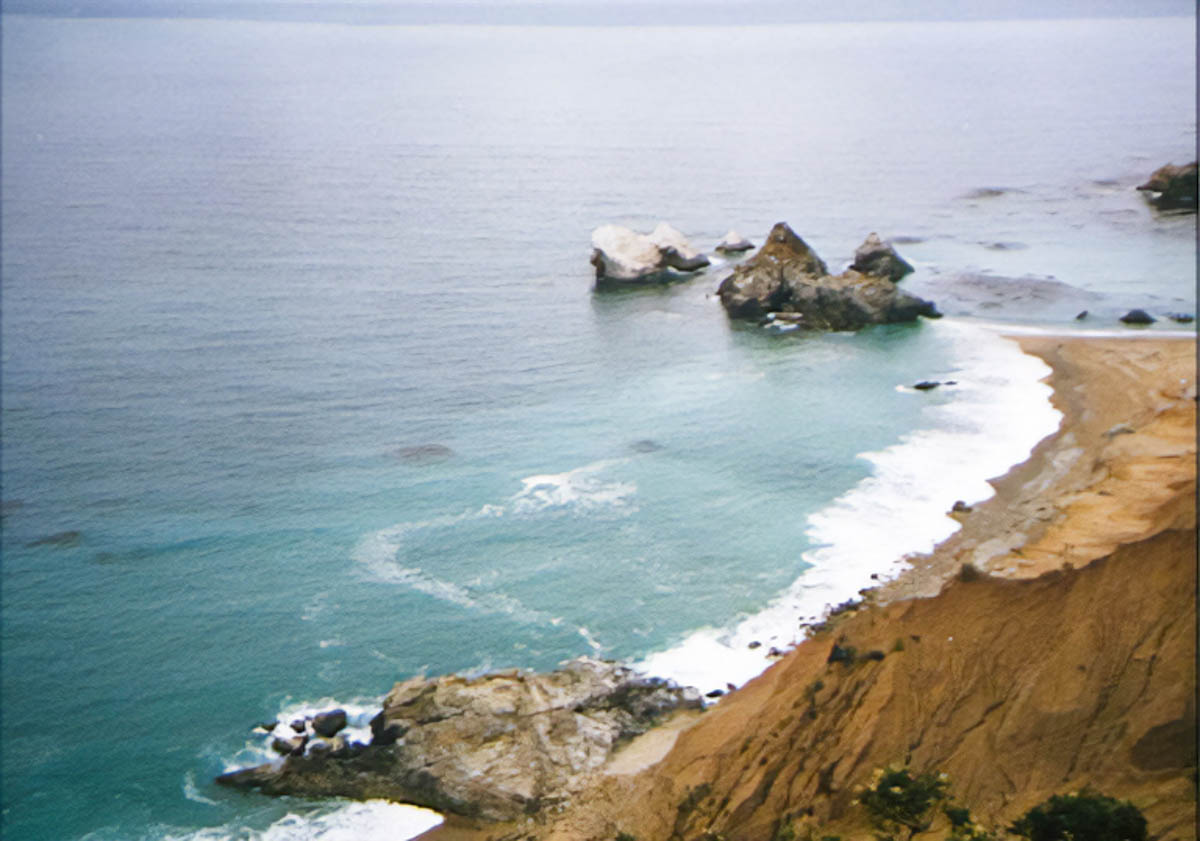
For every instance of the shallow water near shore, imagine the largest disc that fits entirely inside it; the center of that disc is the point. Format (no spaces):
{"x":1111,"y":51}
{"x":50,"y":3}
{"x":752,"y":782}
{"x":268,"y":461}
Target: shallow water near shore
{"x":300,"y":342}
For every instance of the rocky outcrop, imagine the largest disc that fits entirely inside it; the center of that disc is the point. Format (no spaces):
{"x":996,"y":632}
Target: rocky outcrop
{"x":878,"y":258}
{"x":1173,"y":187}
{"x":1018,"y":690}
{"x":495,"y":747}
{"x":625,"y":256}
{"x":786,"y":276}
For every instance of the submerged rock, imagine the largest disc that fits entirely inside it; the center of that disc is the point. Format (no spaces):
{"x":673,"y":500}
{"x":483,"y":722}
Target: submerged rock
{"x":622,"y":255}
{"x":972,"y":293}
{"x":424,"y":453}
{"x":497,"y":747}
{"x":878,"y":258}
{"x":62,"y":540}
{"x":787,"y":278}
{"x":1173,"y":187}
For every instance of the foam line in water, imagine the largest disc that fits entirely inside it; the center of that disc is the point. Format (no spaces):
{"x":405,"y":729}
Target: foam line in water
{"x":993,"y":418}
{"x":581,"y":490}
{"x":371,"y":820}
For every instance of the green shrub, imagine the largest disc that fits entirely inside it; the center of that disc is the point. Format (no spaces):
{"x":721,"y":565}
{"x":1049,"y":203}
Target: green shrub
{"x":1086,"y":816}
{"x":896,"y":801}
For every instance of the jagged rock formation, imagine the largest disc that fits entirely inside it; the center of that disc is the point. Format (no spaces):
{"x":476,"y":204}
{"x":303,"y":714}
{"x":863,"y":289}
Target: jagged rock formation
{"x":495,"y":747}
{"x":878,"y":258}
{"x":1173,"y":187}
{"x":622,"y":255}
{"x":786,"y":276}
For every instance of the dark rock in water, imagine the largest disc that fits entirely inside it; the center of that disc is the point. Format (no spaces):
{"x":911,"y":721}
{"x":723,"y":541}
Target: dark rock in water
{"x":1138,"y":317}
{"x":878,"y":259}
{"x":299,"y":725}
{"x":1173,"y":187}
{"x":1082,"y":315}
{"x":774,"y":652}
{"x":906,"y":240}
{"x":62,"y":540}
{"x":716,"y":693}
{"x":645,"y":445}
{"x":787,"y":278}
{"x":497,"y":747}
{"x":961,"y":507}
{"x":266,"y":726}
{"x":1005,"y":246}
{"x":926,"y":385}
{"x":754,"y":644}
{"x":289,"y":747}
{"x":1181,"y":317}
{"x":989,"y":192}
{"x":328,"y":724}
{"x":424,"y":453}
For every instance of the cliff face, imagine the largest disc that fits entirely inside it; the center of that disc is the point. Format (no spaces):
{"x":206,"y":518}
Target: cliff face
{"x":1017,"y":689}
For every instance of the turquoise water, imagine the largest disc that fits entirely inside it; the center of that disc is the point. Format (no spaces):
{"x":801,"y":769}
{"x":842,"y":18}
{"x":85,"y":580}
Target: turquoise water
{"x":247,"y":266}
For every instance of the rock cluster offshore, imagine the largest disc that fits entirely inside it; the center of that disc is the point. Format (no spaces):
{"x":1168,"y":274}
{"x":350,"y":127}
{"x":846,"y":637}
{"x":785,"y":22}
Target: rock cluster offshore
{"x":787,"y":281}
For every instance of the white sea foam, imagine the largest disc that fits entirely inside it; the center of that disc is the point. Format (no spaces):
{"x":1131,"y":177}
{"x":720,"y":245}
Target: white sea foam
{"x":371,"y":820}
{"x":996,"y":414}
{"x":192,"y":792}
{"x":257,"y":749}
{"x":582,"y":491}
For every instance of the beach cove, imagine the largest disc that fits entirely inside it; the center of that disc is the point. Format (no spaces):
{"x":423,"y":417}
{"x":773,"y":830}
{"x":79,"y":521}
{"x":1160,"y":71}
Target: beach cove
{"x":308,"y":388}
{"x":1026,"y":678}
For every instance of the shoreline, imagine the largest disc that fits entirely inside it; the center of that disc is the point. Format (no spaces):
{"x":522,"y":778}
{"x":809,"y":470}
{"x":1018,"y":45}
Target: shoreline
{"x":1126,"y":436}
{"x":1120,"y":470}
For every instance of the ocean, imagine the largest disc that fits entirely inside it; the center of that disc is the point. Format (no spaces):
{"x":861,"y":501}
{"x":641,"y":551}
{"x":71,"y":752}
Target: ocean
{"x":306,"y":387}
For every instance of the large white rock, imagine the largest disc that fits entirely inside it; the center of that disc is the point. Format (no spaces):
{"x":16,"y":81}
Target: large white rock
{"x":734,"y":242}
{"x":620,"y":254}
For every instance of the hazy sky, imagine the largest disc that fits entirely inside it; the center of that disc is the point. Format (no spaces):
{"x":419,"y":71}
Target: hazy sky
{"x":606,"y":11}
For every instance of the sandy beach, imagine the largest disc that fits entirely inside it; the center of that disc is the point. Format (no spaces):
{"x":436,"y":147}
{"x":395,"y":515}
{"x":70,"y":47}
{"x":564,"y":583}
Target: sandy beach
{"x":1070,"y":661}
{"x":1121,"y":467}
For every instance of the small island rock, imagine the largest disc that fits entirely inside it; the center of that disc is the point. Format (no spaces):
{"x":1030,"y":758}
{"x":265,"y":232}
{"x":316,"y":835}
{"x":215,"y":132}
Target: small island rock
{"x":1173,"y":187}
{"x":622,"y":255}
{"x":734,"y":243}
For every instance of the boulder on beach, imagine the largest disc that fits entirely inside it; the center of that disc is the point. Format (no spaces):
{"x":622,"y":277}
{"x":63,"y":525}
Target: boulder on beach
{"x":787,"y":278}
{"x":1173,"y":187}
{"x":625,"y":256}
{"x":734,"y":243}
{"x":878,"y":258}
{"x":498,"y":747}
